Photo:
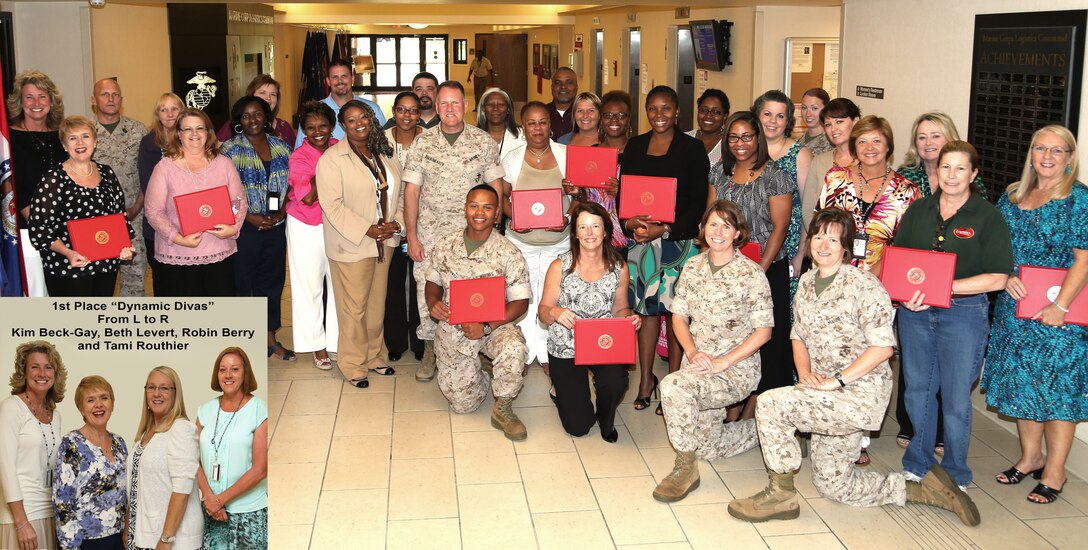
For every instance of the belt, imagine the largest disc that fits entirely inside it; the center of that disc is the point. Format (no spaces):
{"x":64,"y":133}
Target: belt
{"x":961,"y":296}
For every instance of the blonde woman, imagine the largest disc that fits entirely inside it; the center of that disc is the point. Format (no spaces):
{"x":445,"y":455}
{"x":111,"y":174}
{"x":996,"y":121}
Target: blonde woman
{"x":1045,"y":212}
{"x":152,"y":149}
{"x":163,"y":501}
{"x":29,"y":434}
{"x":930,"y":133}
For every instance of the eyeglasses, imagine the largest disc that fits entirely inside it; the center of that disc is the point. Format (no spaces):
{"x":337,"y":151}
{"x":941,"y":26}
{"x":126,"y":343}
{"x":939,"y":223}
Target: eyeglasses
{"x":1056,"y":152}
{"x":162,"y":389}
{"x":938,"y":235}
{"x":709,"y":111}
{"x":402,"y":110}
{"x":191,"y":130}
{"x":746,"y":138}
{"x":615,"y":116}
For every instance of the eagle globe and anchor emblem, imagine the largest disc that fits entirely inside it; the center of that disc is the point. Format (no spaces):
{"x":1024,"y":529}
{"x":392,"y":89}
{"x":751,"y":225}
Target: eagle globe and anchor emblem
{"x":102,"y":237}
{"x":201,"y":96}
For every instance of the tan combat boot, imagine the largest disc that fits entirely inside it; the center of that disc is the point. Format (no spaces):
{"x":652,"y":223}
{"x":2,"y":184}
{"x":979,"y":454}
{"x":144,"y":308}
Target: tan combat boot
{"x":777,"y":501}
{"x":503,"y":418}
{"x":426,"y":370}
{"x":940,"y":490}
{"x":683,"y":479}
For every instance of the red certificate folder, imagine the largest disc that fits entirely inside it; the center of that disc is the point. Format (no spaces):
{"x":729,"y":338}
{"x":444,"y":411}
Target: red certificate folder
{"x":604,"y":341}
{"x":648,"y":196}
{"x":1043,"y":285}
{"x":537,"y":209}
{"x":906,"y":270}
{"x":591,"y":166}
{"x":100,"y":237}
{"x":753,"y":250}
{"x":203,"y":210}
{"x":477,"y":300}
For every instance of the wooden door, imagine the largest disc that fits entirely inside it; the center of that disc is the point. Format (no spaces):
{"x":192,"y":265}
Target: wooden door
{"x":509,"y":55}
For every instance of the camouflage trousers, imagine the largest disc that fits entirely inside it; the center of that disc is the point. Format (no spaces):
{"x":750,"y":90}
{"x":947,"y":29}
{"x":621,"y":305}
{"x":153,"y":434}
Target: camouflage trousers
{"x":460,"y":377}
{"x":132,"y":273}
{"x":694,"y":406}
{"x":427,"y":325}
{"x":831,"y":418}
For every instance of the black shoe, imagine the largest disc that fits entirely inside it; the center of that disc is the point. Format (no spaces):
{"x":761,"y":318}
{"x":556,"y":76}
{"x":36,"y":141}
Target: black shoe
{"x":394,"y":356}
{"x":612,"y":437}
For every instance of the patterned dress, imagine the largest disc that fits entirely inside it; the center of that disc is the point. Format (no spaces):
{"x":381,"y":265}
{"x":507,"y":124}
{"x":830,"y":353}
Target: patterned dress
{"x":1034,"y":371}
{"x":89,"y":492}
{"x":788,"y":162}
{"x":883,"y":219}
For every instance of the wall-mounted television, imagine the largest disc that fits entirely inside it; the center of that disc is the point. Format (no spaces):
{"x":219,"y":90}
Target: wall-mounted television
{"x":710,"y":41}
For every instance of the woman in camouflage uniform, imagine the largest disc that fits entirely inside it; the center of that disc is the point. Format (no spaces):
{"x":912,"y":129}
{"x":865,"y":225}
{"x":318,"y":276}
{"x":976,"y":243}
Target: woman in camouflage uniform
{"x":842,"y":340}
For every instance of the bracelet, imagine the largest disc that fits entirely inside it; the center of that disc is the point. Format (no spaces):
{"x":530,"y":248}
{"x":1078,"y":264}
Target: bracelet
{"x":25,"y":523}
{"x":1059,"y":306}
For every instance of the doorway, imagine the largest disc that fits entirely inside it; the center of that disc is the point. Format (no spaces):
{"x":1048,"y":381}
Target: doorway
{"x":685,"y":78}
{"x":509,"y":55}
{"x":632,"y":62}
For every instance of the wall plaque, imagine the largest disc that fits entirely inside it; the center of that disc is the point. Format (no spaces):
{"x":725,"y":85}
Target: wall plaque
{"x":1026,"y":73}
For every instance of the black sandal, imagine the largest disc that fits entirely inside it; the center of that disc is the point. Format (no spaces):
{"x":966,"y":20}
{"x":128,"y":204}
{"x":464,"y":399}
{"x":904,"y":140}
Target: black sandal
{"x":1049,"y":494}
{"x":643,"y":402}
{"x":288,"y":355}
{"x":1014,"y":476}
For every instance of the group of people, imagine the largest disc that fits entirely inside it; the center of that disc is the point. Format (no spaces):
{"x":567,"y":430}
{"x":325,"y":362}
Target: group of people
{"x":183,"y":484}
{"x":796,"y":339}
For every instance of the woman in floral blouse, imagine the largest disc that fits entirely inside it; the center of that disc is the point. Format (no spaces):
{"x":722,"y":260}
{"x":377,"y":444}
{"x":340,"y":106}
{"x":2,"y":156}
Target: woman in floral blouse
{"x":89,"y":489}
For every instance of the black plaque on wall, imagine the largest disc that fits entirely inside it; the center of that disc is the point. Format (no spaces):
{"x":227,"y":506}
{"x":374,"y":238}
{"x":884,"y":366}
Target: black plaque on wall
{"x":1026,"y":73}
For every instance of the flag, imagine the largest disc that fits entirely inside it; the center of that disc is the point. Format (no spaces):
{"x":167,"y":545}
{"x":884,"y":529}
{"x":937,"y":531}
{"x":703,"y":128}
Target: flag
{"x":10,"y":278}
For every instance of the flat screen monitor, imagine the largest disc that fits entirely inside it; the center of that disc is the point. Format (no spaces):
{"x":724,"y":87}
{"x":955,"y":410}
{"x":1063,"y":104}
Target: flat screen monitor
{"x":709,"y":41}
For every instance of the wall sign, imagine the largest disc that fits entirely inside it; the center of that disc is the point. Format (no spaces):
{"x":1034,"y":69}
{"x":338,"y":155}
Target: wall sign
{"x":871,"y":92}
{"x":1026,"y":73}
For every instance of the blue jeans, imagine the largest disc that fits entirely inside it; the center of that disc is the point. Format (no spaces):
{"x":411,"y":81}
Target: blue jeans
{"x":942,"y":349}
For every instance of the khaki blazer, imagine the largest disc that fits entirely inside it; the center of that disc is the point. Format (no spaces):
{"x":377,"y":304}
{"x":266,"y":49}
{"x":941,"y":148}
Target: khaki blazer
{"x":349,"y":202}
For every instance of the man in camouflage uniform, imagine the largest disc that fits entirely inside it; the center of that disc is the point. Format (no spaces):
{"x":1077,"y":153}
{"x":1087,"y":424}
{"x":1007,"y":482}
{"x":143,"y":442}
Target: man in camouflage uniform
{"x":844,"y":387}
{"x":118,"y":146}
{"x":474,"y":252}
{"x":442,"y":165}
{"x":731,"y":316}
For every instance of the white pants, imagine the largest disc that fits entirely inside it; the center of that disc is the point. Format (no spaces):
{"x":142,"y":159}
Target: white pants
{"x":32,"y":263}
{"x":313,"y":328}
{"x":539,"y":258}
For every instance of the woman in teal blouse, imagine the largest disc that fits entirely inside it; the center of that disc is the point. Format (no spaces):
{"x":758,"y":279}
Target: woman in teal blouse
{"x":233,"y":474}
{"x":263,"y":162}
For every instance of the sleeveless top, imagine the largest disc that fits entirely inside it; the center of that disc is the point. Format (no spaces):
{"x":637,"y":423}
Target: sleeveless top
{"x":586,"y":300}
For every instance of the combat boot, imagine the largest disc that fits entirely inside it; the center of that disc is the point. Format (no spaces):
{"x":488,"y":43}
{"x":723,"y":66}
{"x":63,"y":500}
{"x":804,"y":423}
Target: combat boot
{"x":777,"y":501}
{"x":683,"y":479}
{"x":503,"y":418}
{"x":426,"y":370}
{"x":940,"y":490}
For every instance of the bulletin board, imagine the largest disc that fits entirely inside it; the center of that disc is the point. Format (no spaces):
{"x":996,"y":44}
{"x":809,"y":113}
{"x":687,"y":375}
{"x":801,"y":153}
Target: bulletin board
{"x":811,"y":63}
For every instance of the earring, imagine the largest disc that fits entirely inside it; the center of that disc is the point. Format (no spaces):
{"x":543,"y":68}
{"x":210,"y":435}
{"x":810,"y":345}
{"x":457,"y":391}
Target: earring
{"x":237,"y":128}
{"x":1068,"y":169}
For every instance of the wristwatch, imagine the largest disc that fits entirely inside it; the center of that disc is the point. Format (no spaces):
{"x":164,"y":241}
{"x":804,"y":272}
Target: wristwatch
{"x":487,"y":329}
{"x":168,"y":539}
{"x":838,"y":376}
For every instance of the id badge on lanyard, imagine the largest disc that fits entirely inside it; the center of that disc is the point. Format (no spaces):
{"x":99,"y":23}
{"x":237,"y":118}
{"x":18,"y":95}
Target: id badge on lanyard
{"x":861,"y":243}
{"x":272,"y":201}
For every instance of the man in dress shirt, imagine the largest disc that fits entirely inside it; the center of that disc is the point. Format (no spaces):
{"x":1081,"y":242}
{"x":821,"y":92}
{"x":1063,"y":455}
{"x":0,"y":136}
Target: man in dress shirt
{"x":564,"y":89}
{"x":339,"y":77}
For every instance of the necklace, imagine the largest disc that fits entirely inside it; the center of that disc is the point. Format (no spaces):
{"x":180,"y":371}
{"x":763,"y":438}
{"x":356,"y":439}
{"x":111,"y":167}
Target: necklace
{"x":863,"y":182}
{"x":192,"y":175}
{"x":72,"y":166}
{"x":539,"y":156}
{"x":751,"y":174}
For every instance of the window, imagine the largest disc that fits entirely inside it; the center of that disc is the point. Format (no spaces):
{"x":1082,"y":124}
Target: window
{"x":399,"y":57}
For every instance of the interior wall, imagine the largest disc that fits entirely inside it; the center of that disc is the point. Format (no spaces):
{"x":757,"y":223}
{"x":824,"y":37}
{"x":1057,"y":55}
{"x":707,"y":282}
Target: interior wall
{"x":777,"y":23}
{"x":140,"y":61}
{"x":932,"y":73}
{"x":63,"y":52}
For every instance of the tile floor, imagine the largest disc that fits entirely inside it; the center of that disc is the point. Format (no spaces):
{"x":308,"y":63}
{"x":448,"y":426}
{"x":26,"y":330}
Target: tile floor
{"x":390,"y":467}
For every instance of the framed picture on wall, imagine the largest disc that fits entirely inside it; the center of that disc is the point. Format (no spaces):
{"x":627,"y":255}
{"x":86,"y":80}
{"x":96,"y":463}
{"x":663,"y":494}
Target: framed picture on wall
{"x":536,"y":57}
{"x":554,"y":58}
{"x":545,"y":59}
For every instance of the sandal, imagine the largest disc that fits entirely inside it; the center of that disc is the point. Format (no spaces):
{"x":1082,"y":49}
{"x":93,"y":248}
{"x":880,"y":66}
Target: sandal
{"x":659,"y":411}
{"x":384,"y":370}
{"x":1049,"y":494}
{"x":903,"y":441}
{"x":276,"y":348}
{"x":322,"y":364}
{"x":863,"y":458}
{"x":1014,"y":476}
{"x":643,"y":402}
